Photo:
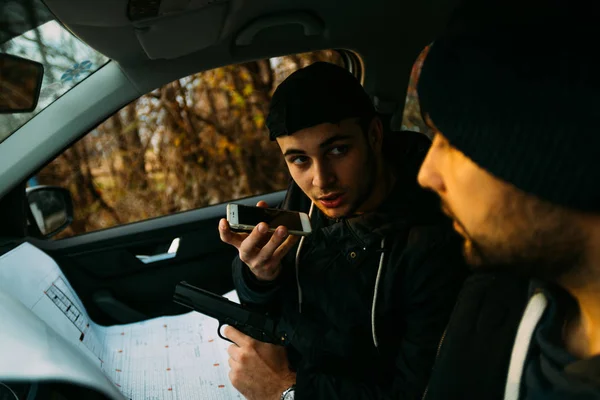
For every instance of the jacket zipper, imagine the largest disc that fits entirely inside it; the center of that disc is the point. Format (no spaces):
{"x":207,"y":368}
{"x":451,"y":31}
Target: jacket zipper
{"x":436,"y":357}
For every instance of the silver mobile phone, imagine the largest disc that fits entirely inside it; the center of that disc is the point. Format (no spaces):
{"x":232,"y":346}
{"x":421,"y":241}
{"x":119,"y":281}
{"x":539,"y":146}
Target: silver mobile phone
{"x":247,"y":217}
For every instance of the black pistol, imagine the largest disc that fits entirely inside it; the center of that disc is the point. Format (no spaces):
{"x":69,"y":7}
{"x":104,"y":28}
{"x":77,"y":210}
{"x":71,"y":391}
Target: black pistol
{"x":251,"y":323}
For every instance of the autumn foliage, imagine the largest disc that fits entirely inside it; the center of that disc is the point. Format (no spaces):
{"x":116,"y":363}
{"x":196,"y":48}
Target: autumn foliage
{"x":194,"y":142}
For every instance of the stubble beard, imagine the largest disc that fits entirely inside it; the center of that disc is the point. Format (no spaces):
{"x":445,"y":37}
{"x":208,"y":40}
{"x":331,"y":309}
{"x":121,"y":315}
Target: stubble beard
{"x":528,"y":237}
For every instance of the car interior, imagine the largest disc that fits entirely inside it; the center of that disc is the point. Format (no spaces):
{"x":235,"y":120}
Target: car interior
{"x":387,"y":37}
{"x":126,"y":273}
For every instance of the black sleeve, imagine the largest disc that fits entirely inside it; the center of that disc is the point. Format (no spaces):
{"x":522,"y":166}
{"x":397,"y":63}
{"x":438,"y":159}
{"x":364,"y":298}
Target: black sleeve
{"x":258,"y":294}
{"x":473,"y":360}
{"x":427,"y":291}
{"x":263,"y":295}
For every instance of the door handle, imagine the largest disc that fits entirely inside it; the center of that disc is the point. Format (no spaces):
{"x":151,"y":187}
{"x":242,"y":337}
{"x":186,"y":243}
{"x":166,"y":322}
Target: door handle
{"x":171,"y":253}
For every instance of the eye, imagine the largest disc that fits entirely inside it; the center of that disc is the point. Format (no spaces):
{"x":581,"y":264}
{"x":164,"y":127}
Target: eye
{"x":339,"y":150}
{"x":298,"y":160}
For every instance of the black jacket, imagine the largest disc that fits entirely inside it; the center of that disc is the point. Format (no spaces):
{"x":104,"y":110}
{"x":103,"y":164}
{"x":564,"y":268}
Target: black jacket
{"x":474,"y":357}
{"x":332,"y":339}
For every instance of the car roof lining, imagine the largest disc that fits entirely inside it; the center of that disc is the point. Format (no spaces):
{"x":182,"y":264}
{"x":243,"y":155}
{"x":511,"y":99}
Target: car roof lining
{"x":388,"y":35}
{"x":16,"y":18}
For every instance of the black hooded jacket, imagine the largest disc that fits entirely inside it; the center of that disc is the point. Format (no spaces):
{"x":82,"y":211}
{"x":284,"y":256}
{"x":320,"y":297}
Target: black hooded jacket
{"x":402,"y":260}
{"x":482,"y":335}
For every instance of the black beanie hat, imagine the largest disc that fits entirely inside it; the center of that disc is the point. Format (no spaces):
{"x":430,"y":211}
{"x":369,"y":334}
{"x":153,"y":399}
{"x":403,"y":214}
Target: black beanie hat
{"x":317,"y":94}
{"x":523,"y":102}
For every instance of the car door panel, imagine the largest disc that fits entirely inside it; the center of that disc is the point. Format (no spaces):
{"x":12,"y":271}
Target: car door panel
{"x":107,"y":270}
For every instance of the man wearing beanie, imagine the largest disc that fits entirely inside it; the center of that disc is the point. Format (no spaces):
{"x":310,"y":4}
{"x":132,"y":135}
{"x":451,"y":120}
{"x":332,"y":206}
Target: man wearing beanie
{"x":515,"y":108}
{"x":365,"y":298}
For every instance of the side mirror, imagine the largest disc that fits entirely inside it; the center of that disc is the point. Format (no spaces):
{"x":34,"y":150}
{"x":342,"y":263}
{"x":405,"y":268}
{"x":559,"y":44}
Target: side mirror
{"x":20,"y":84}
{"x":50,"y":210}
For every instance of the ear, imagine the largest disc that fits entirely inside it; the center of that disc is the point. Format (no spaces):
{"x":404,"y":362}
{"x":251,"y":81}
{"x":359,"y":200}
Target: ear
{"x":375,"y":134}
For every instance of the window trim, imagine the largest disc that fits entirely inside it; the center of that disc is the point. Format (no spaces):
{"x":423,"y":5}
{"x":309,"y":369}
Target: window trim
{"x":354,"y":63}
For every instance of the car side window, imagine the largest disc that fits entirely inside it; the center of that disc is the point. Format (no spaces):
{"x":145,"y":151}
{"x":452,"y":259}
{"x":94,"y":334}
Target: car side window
{"x":194,"y":142}
{"x":412,"y":119}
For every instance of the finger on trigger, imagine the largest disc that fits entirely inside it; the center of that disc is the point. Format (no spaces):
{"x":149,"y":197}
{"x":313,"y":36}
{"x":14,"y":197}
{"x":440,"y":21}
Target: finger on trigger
{"x":236,"y":336}
{"x":230,"y":333}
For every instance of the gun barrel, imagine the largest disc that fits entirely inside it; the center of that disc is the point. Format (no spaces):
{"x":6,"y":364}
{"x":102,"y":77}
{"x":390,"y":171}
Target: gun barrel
{"x":208,"y":303}
{"x":223,"y":309}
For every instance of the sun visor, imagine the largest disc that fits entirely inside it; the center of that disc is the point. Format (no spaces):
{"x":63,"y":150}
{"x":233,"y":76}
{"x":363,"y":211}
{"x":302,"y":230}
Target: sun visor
{"x":177,"y":35}
{"x":158,"y":29}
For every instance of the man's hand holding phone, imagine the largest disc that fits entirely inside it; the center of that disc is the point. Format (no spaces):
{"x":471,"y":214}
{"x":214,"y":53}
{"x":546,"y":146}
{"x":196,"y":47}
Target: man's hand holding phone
{"x":261,"y":250}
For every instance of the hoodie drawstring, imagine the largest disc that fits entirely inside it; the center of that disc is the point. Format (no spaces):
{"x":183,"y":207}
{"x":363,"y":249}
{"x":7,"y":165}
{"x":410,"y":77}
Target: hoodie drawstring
{"x":310,"y":211}
{"x":531,"y":317}
{"x":379,"y":272}
{"x":375,"y":342}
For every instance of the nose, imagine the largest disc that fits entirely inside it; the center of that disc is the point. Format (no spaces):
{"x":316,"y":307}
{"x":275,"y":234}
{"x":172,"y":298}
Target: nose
{"x":323,"y":176}
{"x":430,"y":176}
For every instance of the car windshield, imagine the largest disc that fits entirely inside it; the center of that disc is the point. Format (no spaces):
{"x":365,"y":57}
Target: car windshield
{"x":67,"y":60}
